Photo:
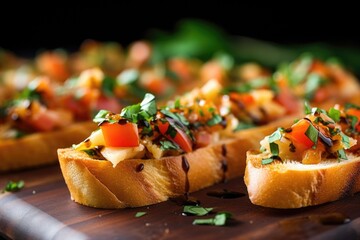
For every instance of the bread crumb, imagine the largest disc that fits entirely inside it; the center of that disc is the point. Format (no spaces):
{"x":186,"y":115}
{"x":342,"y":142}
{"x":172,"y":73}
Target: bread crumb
{"x":251,"y":221}
{"x":33,"y":192}
{"x":147,"y":224}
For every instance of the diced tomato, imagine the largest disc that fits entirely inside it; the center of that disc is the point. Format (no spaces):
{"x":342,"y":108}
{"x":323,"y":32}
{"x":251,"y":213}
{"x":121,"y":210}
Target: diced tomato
{"x":180,"y":138}
{"x":213,"y":70}
{"x":108,"y":103}
{"x":47,"y":120}
{"x":244,"y":98}
{"x":321,"y":94}
{"x":139,"y":53}
{"x":320,"y":68}
{"x":202,"y":139}
{"x":356,"y":113}
{"x":157,"y":86}
{"x":181,"y":67}
{"x":54,"y":65}
{"x":287,"y":100}
{"x":298,"y":135}
{"x":120,"y":135}
{"x":81,"y":112}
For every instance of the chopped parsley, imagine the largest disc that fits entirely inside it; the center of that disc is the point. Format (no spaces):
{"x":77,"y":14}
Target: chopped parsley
{"x":12,"y":186}
{"x":108,"y":85}
{"x":312,"y":133}
{"x":146,"y":110}
{"x":274,"y":149}
{"x":171,"y":131}
{"x":219,"y":220}
{"x":140,"y":214}
{"x":353,"y":122}
{"x":267,"y":161}
{"x":197,"y":210}
{"x":176,"y":116}
{"x":243,"y":125}
{"x":314,"y":81}
{"x":127,"y":77}
{"x":351,"y":105}
{"x":216,"y":119}
{"x":334,"y":114}
{"x":342,"y":155}
{"x":346,"y":140}
{"x":102,"y":116}
{"x":177,"y":104}
{"x":168,"y":145}
{"x":307,"y":108}
{"x":276,"y":135}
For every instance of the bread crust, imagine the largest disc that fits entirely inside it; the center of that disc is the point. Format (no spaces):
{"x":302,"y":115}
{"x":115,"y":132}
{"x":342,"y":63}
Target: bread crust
{"x":40,"y":148}
{"x":296,"y":185}
{"x":97,"y":183}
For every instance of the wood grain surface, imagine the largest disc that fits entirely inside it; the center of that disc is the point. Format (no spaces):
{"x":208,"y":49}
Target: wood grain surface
{"x":44,"y":210}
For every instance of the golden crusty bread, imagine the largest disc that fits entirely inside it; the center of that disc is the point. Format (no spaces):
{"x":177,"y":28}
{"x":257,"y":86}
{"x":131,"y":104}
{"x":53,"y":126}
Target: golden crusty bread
{"x":40,"y":148}
{"x":295,"y":185}
{"x":98,"y":184}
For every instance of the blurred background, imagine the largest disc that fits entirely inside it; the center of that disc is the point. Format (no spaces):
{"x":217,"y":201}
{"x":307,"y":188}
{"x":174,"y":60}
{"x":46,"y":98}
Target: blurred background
{"x":272,"y":34}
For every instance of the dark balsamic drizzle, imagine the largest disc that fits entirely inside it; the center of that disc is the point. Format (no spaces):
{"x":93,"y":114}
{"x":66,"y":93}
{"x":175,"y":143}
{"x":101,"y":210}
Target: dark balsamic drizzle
{"x":140,"y":167}
{"x":225,"y":194}
{"x":186,"y":167}
{"x":185,"y":199}
{"x":326,"y":140}
{"x":122,"y":121}
{"x":335,"y":218}
{"x":224,"y":165}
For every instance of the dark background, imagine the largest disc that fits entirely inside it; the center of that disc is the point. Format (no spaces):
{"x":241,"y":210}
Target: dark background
{"x":27,"y":29}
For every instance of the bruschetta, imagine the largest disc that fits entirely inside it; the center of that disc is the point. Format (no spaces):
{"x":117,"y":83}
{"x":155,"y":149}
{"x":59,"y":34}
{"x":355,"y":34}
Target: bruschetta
{"x":146,"y":154}
{"x":314,"y":161}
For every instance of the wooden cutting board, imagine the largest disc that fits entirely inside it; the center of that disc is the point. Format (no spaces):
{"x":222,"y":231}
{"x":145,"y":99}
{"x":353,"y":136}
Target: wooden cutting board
{"x":43,"y":210}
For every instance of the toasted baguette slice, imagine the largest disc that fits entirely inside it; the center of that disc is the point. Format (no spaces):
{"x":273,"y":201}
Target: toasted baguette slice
{"x":296,"y":185}
{"x":40,"y":148}
{"x":140,"y":182}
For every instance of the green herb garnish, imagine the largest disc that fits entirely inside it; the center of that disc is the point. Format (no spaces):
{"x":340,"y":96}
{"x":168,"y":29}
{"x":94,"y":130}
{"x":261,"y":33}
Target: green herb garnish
{"x":346,"y":140}
{"x":197,"y":210}
{"x":312,"y":133}
{"x":168,"y":145}
{"x":146,"y":110}
{"x":127,"y":77}
{"x":267,"y":161}
{"x":140,"y":214}
{"x":353,"y":122}
{"x":216,"y":119}
{"x":351,"y":105}
{"x":102,"y":116}
{"x":171,"y":131}
{"x":219,"y":220}
{"x":177,"y":104}
{"x":243,"y":125}
{"x":176,"y":116}
{"x":334,"y":114}
{"x":307,"y":108}
{"x":90,"y":152}
{"x":12,"y":186}
{"x":108,"y":85}
{"x":342,"y":154}
{"x":275,"y":136}
{"x":314,"y":81}
{"x":274,"y":149}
